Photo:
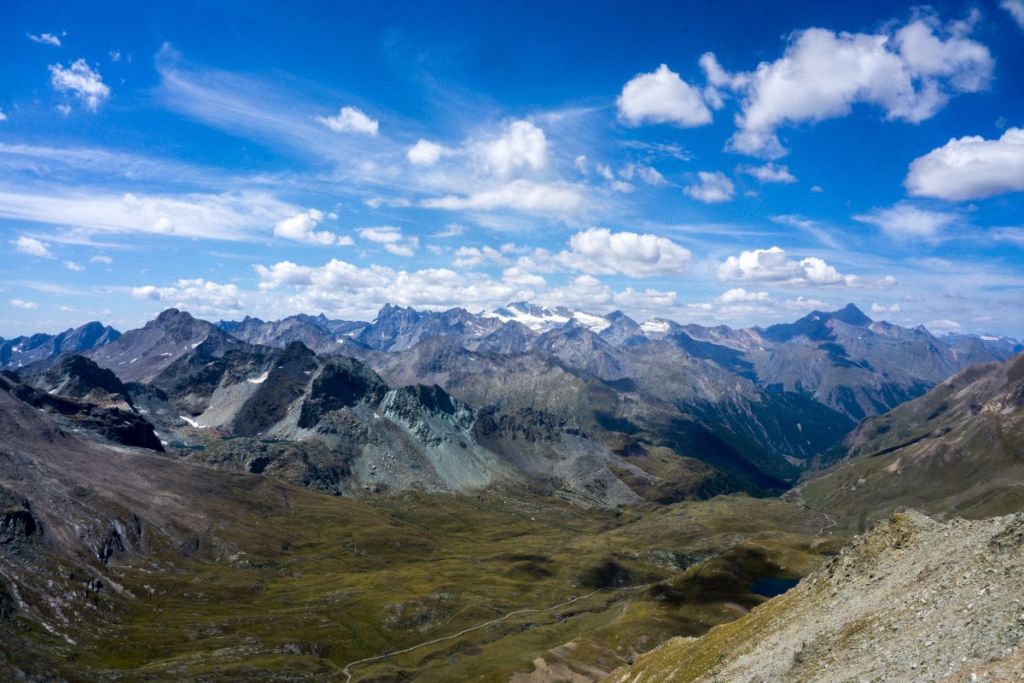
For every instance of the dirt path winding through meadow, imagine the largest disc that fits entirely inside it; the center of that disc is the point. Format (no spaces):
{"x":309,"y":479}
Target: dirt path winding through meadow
{"x":347,"y":669}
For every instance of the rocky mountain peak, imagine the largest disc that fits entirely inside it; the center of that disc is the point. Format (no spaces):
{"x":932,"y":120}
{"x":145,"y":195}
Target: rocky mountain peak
{"x":851,"y":315}
{"x":78,"y":376}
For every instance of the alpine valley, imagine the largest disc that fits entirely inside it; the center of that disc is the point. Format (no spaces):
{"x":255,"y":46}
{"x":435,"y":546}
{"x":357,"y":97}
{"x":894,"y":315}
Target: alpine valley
{"x":527,"y":494}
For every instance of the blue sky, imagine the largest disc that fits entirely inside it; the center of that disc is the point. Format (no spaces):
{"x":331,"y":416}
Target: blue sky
{"x":738,"y":165}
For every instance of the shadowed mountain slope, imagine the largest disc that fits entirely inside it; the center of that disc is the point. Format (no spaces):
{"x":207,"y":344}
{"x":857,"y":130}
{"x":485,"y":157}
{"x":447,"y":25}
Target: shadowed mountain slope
{"x":956,"y":451}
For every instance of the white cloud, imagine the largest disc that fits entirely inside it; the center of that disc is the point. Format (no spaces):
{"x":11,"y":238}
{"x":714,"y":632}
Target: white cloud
{"x":521,"y":147}
{"x":769,"y":173}
{"x":629,"y":253}
{"x":774,"y":265}
{"x":102,"y":259}
{"x":45,"y":39}
{"x":25,"y":305}
{"x":397,"y":202}
{"x":740,"y":295}
{"x":882,"y":308}
{"x":906,"y":221}
{"x":1016,"y":10}
{"x":1012,"y":235}
{"x":522,"y":195}
{"x":80,"y":80}
{"x":581,"y":164}
{"x":407,"y":248}
{"x":943,"y":325}
{"x":71,"y":265}
{"x":197,"y":295}
{"x":910,"y":72}
{"x":648,"y":174}
{"x":32,"y":247}
{"x":518,"y":276}
{"x":385,"y":234}
{"x":351,"y":120}
{"x":970,"y":168}
{"x":225,"y":216}
{"x":392,"y":239}
{"x":712,"y":188}
{"x":450,"y":230}
{"x":426,"y":153}
{"x":470,"y":257}
{"x":3,"y":116}
{"x":352,"y":290}
{"x":302,"y":228}
{"x":662,"y":97}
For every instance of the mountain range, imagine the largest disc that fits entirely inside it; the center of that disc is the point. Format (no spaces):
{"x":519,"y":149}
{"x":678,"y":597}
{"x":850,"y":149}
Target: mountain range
{"x":586,"y":487}
{"x":746,"y":409}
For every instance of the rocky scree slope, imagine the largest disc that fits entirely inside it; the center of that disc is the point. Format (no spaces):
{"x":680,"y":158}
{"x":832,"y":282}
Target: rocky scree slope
{"x":911,"y":600}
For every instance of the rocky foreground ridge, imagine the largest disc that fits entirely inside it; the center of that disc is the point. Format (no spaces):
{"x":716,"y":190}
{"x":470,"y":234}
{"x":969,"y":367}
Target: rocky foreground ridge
{"x":912,"y":599}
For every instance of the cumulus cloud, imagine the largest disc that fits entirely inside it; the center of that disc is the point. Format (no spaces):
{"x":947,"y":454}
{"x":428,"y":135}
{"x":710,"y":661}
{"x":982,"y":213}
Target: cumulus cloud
{"x":351,"y":120}
{"x":943,"y":325}
{"x":471,"y":257}
{"x":426,"y":153}
{"x":970,"y":168}
{"x":882,"y":308}
{"x":80,"y":80}
{"x":599,"y":250}
{"x":740,"y":295}
{"x":662,"y":97}
{"x":100,"y":258}
{"x":521,"y":194}
{"x":385,"y":234}
{"x":32,"y":247}
{"x":769,"y":173}
{"x":1016,"y":10}
{"x":521,"y":147}
{"x":197,"y":295}
{"x":910,"y":71}
{"x":25,"y":305}
{"x":45,"y":39}
{"x":3,"y":116}
{"x":302,"y":228}
{"x":518,"y":276}
{"x":775,"y":265}
{"x":907,"y":221}
{"x":392,"y":239}
{"x":71,"y":265}
{"x":713,"y":187}
{"x":346,"y":288}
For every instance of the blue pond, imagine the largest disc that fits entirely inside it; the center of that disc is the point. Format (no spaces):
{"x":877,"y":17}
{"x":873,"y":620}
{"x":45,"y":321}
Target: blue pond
{"x":770,"y":586}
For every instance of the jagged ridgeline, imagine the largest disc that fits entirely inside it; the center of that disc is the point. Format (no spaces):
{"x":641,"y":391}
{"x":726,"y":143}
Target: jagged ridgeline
{"x":598,"y":408}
